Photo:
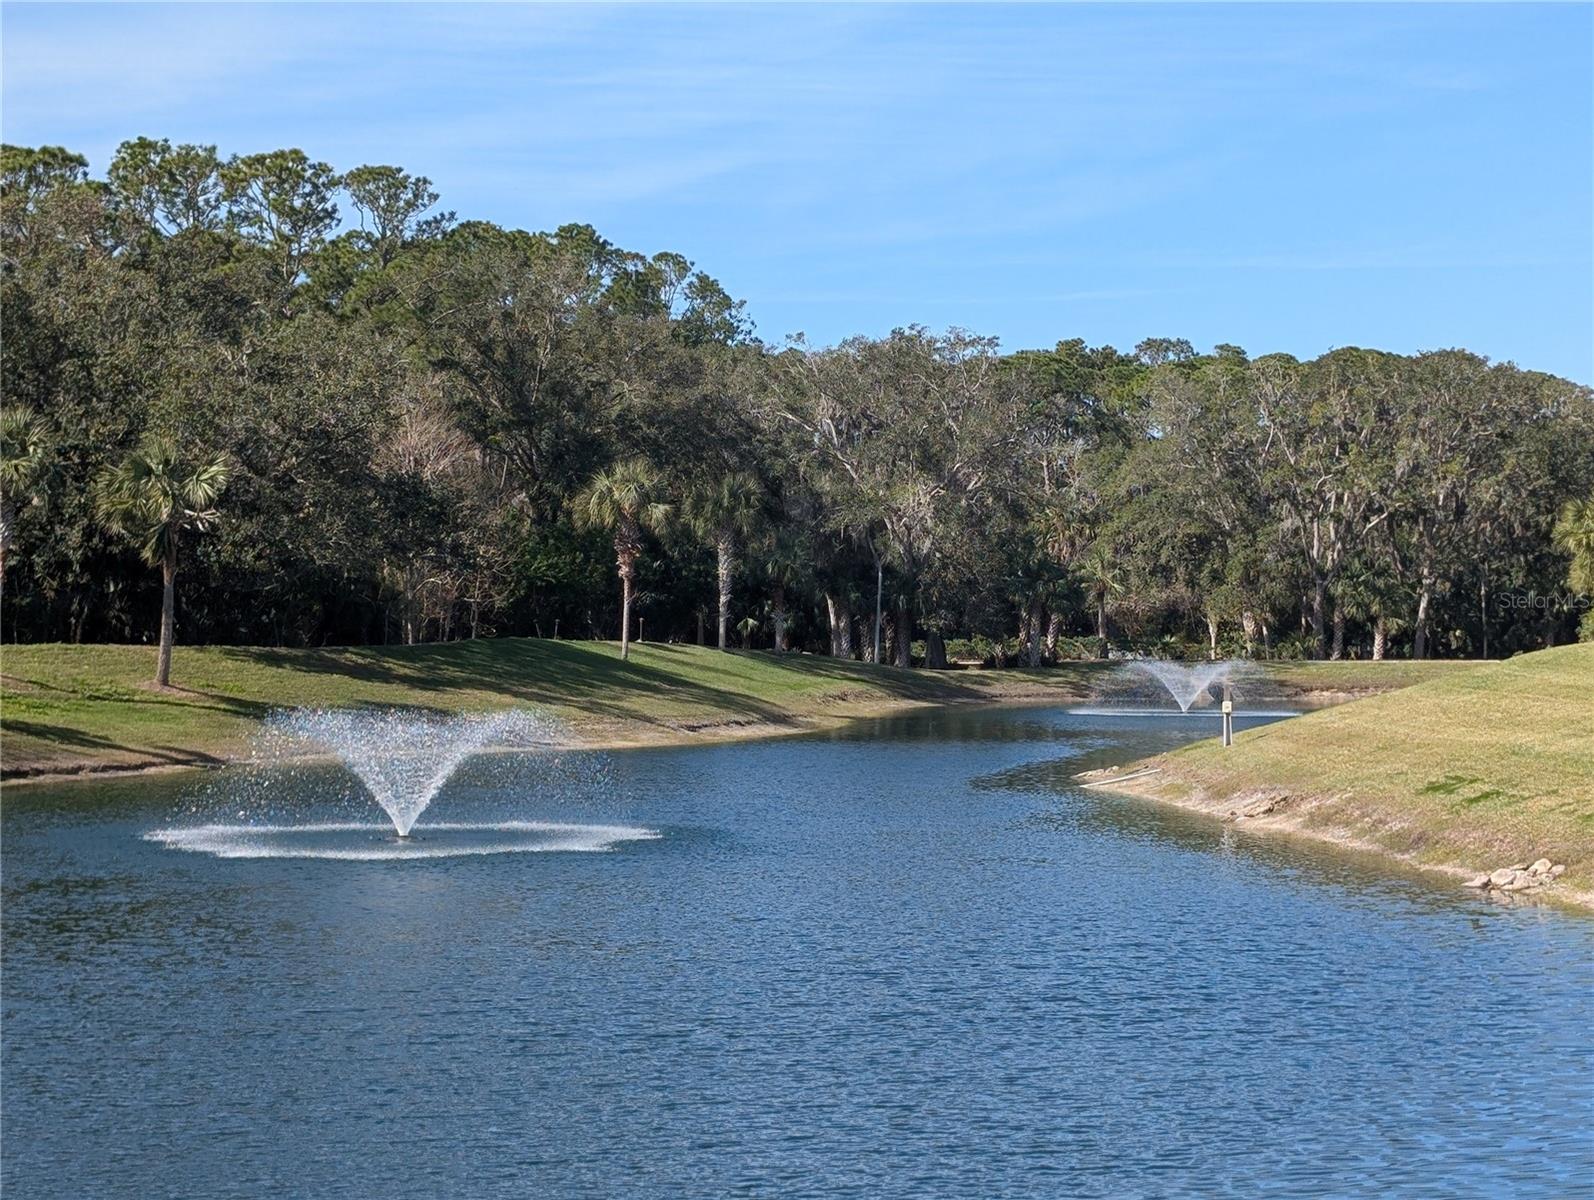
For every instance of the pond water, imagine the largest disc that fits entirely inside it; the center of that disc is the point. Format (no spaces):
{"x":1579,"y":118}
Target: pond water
{"x":908,"y":960}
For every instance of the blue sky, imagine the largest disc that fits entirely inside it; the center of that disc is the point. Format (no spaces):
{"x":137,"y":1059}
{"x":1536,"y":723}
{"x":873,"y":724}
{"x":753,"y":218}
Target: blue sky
{"x":1286,"y":177}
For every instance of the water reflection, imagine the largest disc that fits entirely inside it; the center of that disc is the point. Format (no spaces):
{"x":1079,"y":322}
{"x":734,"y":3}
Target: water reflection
{"x":1087,"y":811}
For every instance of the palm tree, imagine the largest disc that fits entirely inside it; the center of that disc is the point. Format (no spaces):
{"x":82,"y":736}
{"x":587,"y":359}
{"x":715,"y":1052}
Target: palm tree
{"x":621,"y":498}
{"x":1574,"y":534}
{"x":788,"y":560}
{"x":1103,"y":581}
{"x":24,"y":461}
{"x":154,"y":497}
{"x":1064,"y":536}
{"x":1364,"y":593}
{"x":726,"y":513}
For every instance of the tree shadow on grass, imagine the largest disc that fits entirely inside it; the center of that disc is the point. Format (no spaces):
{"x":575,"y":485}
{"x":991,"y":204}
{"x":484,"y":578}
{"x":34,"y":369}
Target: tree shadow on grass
{"x":566,"y":674}
{"x":235,"y":706}
{"x":78,"y":739}
{"x":590,"y":676}
{"x":663,"y":685}
{"x":953,"y":683}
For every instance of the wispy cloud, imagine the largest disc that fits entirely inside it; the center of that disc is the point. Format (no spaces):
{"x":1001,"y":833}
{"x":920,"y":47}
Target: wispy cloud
{"x":1407,"y":258}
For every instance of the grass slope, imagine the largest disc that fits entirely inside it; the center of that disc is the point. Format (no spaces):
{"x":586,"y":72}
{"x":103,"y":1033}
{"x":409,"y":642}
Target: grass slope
{"x":75,"y":708}
{"x":1352,"y":677}
{"x":1474,"y":770}
{"x":69,"y":708}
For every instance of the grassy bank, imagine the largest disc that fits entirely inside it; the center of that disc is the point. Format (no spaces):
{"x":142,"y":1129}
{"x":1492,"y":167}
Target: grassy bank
{"x":74,"y":708}
{"x":1350,"y":678}
{"x":71,"y":708}
{"x":1475,"y":770}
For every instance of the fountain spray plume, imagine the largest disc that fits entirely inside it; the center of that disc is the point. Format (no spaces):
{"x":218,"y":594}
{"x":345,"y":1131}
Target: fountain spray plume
{"x":402,"y":757}
{"x":1187,"y":682}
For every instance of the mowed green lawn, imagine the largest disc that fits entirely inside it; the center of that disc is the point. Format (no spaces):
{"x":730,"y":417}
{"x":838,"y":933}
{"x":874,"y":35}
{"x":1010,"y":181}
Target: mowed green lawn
{"x":1479,"y":768}
{"x":1351,"y":676}
{"x":67,"y":707}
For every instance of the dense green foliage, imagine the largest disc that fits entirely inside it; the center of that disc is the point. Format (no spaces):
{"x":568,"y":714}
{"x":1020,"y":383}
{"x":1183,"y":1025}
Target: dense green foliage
{"x":413,"y":412}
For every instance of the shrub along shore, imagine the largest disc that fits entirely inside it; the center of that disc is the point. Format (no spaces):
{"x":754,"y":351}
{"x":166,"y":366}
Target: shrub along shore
{"x":89,"y":709}
{"x":1467,"y":773}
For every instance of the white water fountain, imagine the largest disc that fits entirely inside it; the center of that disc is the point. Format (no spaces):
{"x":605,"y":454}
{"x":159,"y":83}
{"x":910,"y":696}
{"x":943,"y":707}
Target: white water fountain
{"x":403,"y":760}
{"x":1187,"y":682}
{"x":1195,"y":688}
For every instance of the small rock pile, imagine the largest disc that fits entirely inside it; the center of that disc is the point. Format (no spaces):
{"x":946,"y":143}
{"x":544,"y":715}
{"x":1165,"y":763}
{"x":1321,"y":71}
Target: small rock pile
{"x":1520,"y":877}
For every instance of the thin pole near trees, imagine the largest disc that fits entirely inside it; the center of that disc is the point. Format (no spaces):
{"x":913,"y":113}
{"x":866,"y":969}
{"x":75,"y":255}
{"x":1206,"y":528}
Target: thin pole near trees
{"x":879,"y":594}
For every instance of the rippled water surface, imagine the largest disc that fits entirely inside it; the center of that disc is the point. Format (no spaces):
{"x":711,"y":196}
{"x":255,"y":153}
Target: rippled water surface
{"x":913,"y":960}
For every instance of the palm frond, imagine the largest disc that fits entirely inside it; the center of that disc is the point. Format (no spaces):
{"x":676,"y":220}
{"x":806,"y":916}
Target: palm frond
{"x":24,"y":450}
{"x":626,"y":490}
{"x":154,"y":495}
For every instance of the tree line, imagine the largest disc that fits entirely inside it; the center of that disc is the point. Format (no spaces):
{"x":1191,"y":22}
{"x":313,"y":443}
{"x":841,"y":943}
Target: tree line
{"x":331,"y":413}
